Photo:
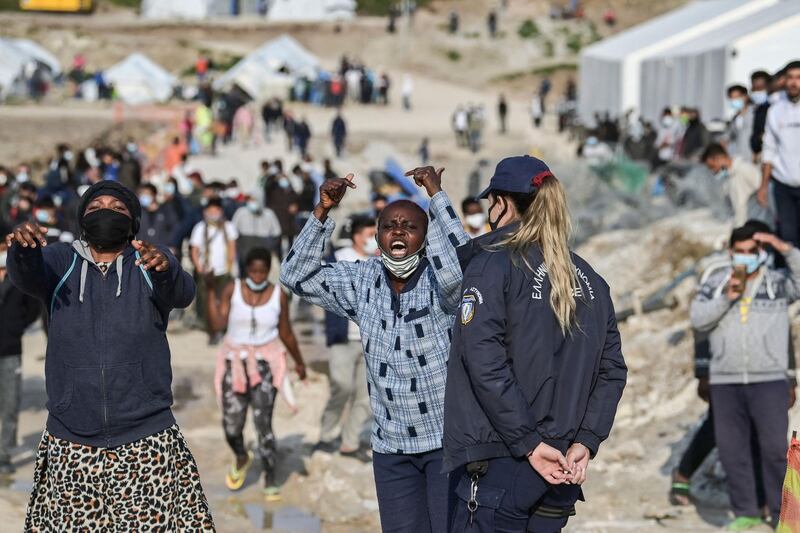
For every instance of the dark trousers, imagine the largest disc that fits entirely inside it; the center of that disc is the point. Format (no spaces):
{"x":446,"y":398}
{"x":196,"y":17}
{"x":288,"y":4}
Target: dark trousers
{"x":10,"y":395}
{"x":739,"y":412}
{"x":787,"y":205}
{"x":412,"y":492}
{"x":507,"y":496}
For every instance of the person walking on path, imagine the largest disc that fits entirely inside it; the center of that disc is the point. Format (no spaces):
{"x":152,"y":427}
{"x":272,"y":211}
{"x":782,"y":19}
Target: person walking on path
{"x":404,"y":304}
{"x":536,"y":368}
{"x":251,"y":363}
{"x":112,"y":454}
{"x":339,"y":134}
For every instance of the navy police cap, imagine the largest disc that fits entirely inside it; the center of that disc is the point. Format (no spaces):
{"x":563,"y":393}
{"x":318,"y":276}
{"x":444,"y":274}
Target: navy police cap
{"x":520,"y":174}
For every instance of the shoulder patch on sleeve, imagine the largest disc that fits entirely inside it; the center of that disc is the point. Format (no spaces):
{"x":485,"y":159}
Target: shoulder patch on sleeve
{"x":470,"y":301}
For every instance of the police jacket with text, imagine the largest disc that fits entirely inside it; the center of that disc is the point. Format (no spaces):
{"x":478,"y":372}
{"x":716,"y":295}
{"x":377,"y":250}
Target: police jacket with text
{"x":514,"y":379}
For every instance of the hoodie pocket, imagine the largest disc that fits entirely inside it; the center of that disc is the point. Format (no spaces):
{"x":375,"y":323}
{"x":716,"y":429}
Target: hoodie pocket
{"x":129,"y":399}
{"x":80,"y":407}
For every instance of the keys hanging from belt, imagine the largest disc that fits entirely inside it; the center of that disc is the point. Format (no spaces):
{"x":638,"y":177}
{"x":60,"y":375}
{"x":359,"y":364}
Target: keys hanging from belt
{"x":475,"y":471}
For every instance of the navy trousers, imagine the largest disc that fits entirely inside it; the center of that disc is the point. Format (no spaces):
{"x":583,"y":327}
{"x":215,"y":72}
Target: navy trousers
{"x":507,"y":496}
{"x":412,"y":492}
{"x":743,"y":411}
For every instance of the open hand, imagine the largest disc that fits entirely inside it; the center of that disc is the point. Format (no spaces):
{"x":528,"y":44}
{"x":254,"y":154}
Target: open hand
{"x":427,"y":177}
{"x":151,"y":258}
{"x":550,"y":464}
{"x":772,"y":240}
{"x":578,"y":459}
{"x":28,"y":235}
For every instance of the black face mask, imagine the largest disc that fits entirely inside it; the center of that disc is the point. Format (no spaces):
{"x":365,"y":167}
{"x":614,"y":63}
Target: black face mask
{"x":106,"y":229}
{"x":496,"y":222}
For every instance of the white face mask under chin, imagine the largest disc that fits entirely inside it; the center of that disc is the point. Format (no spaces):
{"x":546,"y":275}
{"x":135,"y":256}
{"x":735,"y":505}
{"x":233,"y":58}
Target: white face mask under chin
{"x":402,"y":268}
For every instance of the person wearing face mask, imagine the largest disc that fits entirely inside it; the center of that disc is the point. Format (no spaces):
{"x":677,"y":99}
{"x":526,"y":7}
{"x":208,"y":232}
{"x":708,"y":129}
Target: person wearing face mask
{"x":45,"y":213}
{"x":251,"y":363}
{"x":17,"y":312}
{"x":475,"y":223}
{"x":740,"y":178}
{"x":283,"y":200}
{"x":744,"y":310}
{"x":108,"y":374}
{"x":403,"y":303}
{"x":346,"y":365}
{"x":666,"y":138}
{"x":765,"y":90}
{"x":536,"y":368}
{"x":158,"y":221}
{"x":213,"y":247}
{"x":258,"y":227}
{"x":740,"y":127}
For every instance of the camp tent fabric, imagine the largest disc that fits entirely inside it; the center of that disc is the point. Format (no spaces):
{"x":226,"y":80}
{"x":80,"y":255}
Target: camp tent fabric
{"x":137,"y":80}
{"x":177,"y":9}
{"x":12,"y":68}
{"x":610,"y":71}
{"x":310,"y":10}
{"x":410,"y":190}
{"x":270,"y":68}
{"x":36,"y":51}
{"x":700,"y":70}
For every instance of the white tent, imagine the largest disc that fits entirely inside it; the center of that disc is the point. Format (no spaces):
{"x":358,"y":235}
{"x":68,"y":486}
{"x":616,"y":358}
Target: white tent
{"x":137,"y":80}
{"x":177,"y":9}
{"x":269,"y":70}
{"x":311,"y":10}
{"x":12,"y":68}
{"x":39,"y":53}
{"x":698,"y":72}
{"x":610,"y":71}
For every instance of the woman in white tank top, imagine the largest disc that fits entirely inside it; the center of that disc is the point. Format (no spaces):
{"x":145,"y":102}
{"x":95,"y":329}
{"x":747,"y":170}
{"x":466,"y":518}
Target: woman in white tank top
{"x":251,"y":363}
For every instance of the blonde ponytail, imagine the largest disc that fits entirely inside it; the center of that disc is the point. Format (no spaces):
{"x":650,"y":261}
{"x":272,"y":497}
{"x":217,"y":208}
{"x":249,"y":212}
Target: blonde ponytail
{"x":547,"y":222}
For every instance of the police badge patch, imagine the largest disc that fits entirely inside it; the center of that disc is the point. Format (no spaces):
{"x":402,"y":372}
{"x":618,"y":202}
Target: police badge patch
{"x":467,"y":308}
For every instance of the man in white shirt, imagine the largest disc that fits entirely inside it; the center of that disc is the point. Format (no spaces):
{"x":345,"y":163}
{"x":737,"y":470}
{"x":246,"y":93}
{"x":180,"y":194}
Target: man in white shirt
{"x":257,"y":226}
{"x":347,"y":365}
{"x":213,"y":246}
{"x":781,"y":157}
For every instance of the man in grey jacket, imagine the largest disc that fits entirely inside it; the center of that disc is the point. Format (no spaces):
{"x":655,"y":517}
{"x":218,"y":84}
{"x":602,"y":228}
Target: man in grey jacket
{"x":745,"y":310}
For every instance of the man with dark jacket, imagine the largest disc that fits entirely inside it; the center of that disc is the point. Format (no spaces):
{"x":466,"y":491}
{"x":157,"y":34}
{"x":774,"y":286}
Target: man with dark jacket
{"x":339,"y":134}
{"x":528,"y":400}
{"x":17,"y":312}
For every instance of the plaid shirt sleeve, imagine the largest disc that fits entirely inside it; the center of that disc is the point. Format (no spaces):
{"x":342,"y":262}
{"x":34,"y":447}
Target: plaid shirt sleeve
{"x":445,"y":234}
{"x":331,"y":286}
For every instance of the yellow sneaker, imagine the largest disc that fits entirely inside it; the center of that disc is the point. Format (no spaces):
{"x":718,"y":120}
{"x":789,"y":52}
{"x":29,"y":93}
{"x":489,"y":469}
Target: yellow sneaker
{"x":235,"y":477}
{"x":272,"y":493}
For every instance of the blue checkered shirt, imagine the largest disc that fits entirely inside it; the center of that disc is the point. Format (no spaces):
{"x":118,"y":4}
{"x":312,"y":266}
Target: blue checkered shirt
{"x":405,"y":337}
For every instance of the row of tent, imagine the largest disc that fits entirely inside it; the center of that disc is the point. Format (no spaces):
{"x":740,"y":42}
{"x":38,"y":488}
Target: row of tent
{"x":267,"y":71}
{"x":688,"y":57}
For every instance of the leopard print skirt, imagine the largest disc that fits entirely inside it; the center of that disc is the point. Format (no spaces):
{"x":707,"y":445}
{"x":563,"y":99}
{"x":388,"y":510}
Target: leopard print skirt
{"x":148,"y":485}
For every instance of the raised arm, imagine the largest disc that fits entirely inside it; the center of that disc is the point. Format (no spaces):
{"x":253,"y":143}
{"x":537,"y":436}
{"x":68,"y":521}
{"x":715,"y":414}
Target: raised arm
{"x":792,"y":256}
{"x":172,"y":285}
{"x":32,"y":266}
{"x":330,"y":286}
{"x":445,"y":234}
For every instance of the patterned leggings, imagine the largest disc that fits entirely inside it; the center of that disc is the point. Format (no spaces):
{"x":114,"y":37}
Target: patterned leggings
{"x":234,"y":414}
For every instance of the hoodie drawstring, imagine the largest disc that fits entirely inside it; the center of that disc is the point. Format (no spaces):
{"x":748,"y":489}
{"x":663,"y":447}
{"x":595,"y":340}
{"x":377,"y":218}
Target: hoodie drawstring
{"x":84,"y":270}
{"x":119,"y":275}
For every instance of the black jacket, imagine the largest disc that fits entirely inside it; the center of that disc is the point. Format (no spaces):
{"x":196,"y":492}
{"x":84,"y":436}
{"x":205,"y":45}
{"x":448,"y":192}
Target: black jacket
{"x":107,"y":367}
{"x":17,"y":312}
{"x":514,"y":380}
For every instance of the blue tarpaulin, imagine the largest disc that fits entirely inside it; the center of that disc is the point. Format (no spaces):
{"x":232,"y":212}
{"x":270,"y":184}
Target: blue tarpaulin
{"x":409,"y":188}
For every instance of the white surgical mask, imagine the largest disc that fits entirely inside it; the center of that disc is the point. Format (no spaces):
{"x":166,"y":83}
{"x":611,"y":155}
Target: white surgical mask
{"x":22,"y":177}
{"x":68,"y":156}
{"x":402,"y":268}
{"x":3,"y":180}
{"x":759,"y":97}
{"x":476,"y":220}
{"x":370,"y":247}
{"x":284,"y":183}
{"x":254,"y":206}
{"x":256,"y":287}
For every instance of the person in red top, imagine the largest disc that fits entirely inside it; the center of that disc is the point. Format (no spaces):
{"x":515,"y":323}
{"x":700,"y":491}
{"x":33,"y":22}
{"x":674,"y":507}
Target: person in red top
{"x":173,"y":155}
{"x":201,"y":67}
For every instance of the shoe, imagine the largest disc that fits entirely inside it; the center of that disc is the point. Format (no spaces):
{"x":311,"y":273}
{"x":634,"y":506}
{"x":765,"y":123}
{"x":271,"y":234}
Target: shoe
{"x":7,"y":469}
{"x":748,"y":523}
{"x":235,"y":477}
{"x":272,"y":493}
{"x":325,"y":446}
{"x":361,"y":454}
{"x":679,"y":491}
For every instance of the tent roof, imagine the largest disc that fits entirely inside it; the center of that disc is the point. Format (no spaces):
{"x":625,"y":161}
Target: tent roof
{"x":667,"y":26}
{"x":311,"y":10}
{"x":181,"y":9}
{"x":256,"y":69}
{"x":730,"y":33}
{"x":137,"y":79}
{"x":39,"y":53}
{"x":12,"y":61}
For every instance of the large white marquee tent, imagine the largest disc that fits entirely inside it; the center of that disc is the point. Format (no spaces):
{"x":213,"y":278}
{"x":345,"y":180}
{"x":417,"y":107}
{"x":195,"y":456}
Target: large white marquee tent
{"x":611,"y":70}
